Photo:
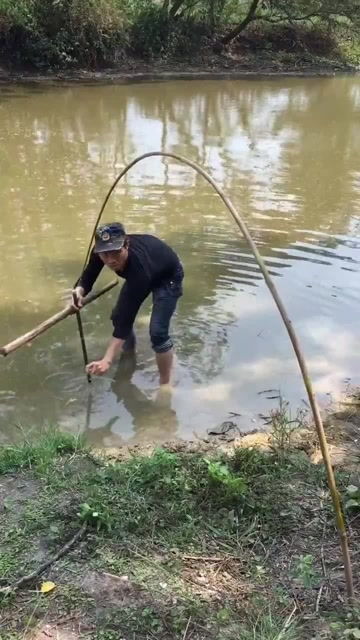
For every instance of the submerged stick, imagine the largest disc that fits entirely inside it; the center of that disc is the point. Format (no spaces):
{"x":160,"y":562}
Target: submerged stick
{"x":52,"y":321}
{"x":292,"y":335}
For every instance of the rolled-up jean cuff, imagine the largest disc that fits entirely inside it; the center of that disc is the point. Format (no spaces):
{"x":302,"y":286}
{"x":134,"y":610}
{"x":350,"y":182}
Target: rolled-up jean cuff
{"x":165,"y":346}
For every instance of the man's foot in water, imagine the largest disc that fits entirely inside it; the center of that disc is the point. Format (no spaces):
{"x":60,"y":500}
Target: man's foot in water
{"x":163,"y":396}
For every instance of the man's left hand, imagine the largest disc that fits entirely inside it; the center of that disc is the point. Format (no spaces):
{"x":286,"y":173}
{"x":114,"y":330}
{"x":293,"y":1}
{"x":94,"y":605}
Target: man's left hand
{"x":98,"y":368}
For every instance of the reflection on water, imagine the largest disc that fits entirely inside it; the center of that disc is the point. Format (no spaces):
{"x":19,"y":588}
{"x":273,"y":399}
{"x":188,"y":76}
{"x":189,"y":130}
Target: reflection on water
{"x":150,"y":416}
{"x":287,"y":152}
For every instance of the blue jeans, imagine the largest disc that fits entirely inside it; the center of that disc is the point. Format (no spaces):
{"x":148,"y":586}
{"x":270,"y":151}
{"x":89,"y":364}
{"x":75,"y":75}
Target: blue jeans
{"x":165,"y":298}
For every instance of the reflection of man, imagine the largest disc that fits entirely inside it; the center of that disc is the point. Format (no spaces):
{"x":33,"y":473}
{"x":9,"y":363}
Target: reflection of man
{"x":149,"y":266}
{"x":152,"y":419}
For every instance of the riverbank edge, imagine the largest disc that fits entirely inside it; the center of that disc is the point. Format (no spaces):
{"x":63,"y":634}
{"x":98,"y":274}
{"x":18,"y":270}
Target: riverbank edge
{"x":157,"y":72}
{"x":196,"y":536}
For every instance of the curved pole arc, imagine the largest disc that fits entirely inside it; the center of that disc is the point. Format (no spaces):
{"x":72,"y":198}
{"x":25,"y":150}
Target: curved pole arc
{"x":292,"y":335}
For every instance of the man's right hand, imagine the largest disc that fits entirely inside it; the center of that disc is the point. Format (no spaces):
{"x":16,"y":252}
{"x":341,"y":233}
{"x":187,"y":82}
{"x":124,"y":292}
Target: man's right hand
{"x":77,"y":300}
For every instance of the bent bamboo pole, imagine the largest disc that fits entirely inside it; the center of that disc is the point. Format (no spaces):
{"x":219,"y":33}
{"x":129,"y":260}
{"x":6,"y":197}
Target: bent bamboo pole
{"x":12,"y":346}
{"x":292,"y":335}
{"x":51,"y":322}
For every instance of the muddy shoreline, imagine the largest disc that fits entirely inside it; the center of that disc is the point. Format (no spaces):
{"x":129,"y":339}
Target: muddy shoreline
{"x":160,"y":72}
{"x":341,"y":422}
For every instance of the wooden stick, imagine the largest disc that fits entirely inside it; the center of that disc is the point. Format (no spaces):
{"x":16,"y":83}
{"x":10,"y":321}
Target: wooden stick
{"x":51,"y":322}
{"x":34,"y":574}
{"x":204,"y":558}
{"x":186,"y":629}
{"x":287,"y":623}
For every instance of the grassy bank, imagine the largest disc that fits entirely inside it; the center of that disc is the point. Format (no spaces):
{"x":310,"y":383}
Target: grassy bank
{"x":236,"y":545}
{"x":89,"y":34}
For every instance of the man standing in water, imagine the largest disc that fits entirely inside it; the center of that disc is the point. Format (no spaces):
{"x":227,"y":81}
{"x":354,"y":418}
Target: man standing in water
{"x":148,"y":265}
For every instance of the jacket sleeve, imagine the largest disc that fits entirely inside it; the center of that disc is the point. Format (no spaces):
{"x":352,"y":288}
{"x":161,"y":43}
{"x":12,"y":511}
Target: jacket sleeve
{"x":90,"y":273}
{"x":131,"y":297}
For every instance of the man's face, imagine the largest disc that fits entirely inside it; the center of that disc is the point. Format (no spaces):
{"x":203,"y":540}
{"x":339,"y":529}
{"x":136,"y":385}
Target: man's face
{"x":115,"y":260}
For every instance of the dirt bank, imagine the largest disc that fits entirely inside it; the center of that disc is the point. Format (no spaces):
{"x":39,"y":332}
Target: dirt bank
{"x":214,"y":67}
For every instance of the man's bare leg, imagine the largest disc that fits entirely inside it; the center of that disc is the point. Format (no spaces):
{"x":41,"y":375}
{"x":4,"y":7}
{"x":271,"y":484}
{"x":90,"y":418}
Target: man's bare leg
{"x":130,"y":344}
{"x":164,"y":362}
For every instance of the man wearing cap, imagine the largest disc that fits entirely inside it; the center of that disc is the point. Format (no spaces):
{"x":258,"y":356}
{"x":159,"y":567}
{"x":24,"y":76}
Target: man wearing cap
{"x":148,"y":265}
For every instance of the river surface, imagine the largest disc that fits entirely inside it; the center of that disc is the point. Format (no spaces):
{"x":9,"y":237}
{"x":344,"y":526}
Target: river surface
{"x":287,"y":151}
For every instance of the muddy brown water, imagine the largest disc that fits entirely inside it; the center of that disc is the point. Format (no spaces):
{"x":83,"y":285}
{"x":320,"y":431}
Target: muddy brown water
{"x":287,"y":151}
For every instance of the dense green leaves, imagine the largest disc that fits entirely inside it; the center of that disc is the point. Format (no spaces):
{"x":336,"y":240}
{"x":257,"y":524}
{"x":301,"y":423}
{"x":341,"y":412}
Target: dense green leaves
{"x":60,"y":33}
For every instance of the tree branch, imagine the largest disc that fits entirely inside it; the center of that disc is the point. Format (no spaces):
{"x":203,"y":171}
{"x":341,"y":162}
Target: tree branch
{"x":315,"y":14}
{"x":175,"y":7}
{"x":240,"y":27}
{"x":34,"y":574}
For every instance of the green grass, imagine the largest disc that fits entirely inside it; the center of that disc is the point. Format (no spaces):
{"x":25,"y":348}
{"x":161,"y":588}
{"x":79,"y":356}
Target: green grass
{"x":185,"y":498}
{"x":149,"y":519}
{"x":39,"y":453}
{"x":269,"y":627}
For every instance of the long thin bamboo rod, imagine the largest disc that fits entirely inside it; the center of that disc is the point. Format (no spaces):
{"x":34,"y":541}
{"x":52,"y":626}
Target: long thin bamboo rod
{"x":52,"y":321}
{"x":292,"y":335}
{"x":82,"y":337}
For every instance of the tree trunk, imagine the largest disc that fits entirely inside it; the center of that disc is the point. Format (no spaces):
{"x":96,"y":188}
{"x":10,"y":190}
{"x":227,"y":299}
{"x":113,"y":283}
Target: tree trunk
{"x":240,"y":27}
{"x":212,"y":14}
{"x":175,"y":7}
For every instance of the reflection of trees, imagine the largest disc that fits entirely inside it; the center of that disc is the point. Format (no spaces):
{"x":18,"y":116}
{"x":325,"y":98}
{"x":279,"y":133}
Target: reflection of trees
{"x":287,"y":153}
{"x":310,"y":134}
{"x":326,"y":156}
